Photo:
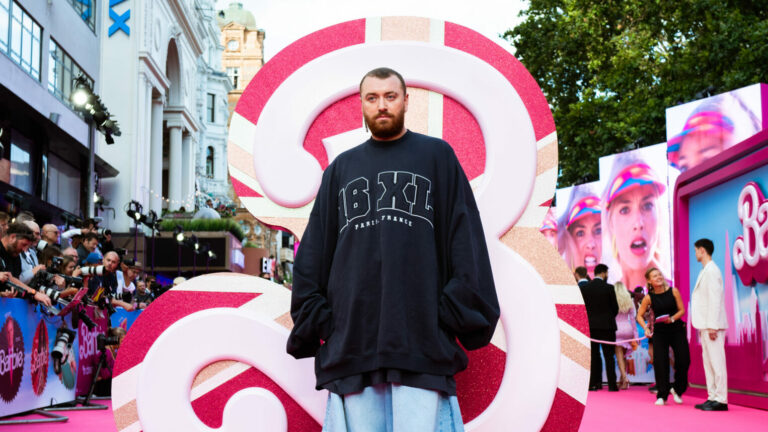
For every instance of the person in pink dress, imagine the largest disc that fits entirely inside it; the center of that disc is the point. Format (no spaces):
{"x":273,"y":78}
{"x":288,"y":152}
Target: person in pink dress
{"x":625,"y":330}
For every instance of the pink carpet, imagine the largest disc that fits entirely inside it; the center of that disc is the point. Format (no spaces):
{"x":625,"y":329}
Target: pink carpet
{"x":633,"y":409}
{"x":79,"y":421}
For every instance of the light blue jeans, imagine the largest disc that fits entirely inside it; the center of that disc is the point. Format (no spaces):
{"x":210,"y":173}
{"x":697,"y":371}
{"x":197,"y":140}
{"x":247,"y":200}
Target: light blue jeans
{"x":393,"y":408}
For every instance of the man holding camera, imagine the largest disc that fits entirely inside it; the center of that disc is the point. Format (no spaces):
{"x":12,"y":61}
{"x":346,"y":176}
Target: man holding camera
{"x":29,"y":262}
{"x":108,"y":281}
{"x":89,"y":243}
{"x":17,"y":239}
{"x":129,"y":270}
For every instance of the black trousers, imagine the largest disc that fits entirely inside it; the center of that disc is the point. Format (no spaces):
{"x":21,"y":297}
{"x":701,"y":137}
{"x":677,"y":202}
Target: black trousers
{"x":609,"y":355}
{"x":674,"y":336}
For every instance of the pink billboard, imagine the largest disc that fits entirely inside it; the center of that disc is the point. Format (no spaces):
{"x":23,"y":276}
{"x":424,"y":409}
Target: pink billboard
{"x":699,"y":130}
{"x":579,"y":228}
{"x":723,"y":199}
{"x":636,"y":234}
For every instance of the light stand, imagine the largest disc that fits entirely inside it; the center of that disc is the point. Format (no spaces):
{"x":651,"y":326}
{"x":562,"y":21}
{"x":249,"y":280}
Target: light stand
{"x":152,"y":222}
{"x":134,"y":212}
{"x":195,"y":245}
{"x":178,"y":234}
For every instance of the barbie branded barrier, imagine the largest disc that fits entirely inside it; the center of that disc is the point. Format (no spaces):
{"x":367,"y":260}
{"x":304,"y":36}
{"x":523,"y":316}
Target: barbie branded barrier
{"x":210,"y":353}
{"x":27,"y":377}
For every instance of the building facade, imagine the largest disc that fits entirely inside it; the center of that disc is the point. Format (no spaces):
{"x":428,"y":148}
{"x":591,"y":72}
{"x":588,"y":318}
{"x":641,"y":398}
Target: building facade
{"x":163,"y":83}
{"x":243,"y":48}
{"x":44,"y":46}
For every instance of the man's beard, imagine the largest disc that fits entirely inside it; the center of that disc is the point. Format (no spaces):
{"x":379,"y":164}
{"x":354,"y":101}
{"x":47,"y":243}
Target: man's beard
{"x":389,"y":130}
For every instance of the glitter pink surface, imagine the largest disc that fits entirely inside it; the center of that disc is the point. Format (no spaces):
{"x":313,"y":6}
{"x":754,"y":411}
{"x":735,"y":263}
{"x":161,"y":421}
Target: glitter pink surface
{"x":575,"y":315}
{"x":242,"y":190}
{"x":461,"y":130}
{"x":467,"y":40}
{"x":342,"y":116}
{"x":291,"y":58}
{"x":566,"y":414}
{"x":210,"y":407}
{"x":476,"y":387}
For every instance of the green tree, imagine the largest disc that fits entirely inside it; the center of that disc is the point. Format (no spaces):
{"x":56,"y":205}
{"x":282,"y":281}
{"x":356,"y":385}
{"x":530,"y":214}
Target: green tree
{"x":610,"y":68}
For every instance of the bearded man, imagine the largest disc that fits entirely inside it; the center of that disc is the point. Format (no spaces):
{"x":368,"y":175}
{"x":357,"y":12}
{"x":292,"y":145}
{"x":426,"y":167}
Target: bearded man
{"x":392,"y":269}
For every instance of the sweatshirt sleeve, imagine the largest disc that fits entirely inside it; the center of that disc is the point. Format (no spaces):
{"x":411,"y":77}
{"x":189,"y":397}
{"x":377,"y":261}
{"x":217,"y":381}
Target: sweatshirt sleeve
{"x":310,"y":310}
{"x":468,"y":306}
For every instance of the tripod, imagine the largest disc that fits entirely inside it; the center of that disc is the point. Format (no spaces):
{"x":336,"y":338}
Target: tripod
{"x":85,"y":403}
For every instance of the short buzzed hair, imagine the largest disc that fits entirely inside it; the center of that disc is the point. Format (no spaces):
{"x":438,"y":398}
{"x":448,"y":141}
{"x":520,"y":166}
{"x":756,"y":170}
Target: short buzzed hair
{"x":601,"y":268}
{"x":383,"y":73}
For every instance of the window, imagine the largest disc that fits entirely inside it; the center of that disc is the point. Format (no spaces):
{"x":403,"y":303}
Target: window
{"x":62,"y":71}
{"x":20,"y":37}
{"x":209,"y":163}
{"x":87,"y":11}
{"x":63,"y":185}
{"x":234,"y":75}
{"x":211,"y":107}
{"x":21,"y":163}
{"x":5,"y":19}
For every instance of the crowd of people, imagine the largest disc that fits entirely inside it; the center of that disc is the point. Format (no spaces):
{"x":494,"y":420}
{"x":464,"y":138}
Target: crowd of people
{"x":41,"y":263}
{"x":612,"y":314}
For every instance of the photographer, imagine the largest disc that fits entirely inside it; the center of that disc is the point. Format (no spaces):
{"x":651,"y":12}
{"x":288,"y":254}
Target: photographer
{"x":88,"y":245}
{"x":16,"y":239}
{"x":108,"y":281}
{"x":50,"y":234}
{"x":143,"y":296}
{"x":126,"y":276}
{"x":75,"y":235}
{"x":29,"y":262}
{"x":64,"y":275}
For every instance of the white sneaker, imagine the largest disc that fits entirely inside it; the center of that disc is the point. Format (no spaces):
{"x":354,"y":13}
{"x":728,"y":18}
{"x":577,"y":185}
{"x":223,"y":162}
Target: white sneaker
{"x":660,"y":401}
{"x":678,"y":399}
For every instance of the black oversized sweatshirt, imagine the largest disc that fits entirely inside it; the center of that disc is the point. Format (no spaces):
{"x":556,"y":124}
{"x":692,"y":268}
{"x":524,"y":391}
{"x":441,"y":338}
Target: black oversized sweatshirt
{"x":393,"y":265}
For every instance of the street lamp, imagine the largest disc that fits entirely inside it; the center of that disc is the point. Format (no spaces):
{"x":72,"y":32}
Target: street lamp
{"x":97,"y":116}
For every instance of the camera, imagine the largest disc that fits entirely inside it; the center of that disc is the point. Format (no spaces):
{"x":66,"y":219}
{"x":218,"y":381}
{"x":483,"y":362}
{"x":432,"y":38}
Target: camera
{"x":105,"y":302}
{"x":73,"y":281}
{"x":121,"y":252}
{"x":42,"y":244}
{"x":53,"y":293}
{"x":93,"y":270}
{"x":12,"y":287}
{"x":56,"y":262}
{"x":64,"y":339}
{"x":101,"y":232}
{"x":102,"y":341}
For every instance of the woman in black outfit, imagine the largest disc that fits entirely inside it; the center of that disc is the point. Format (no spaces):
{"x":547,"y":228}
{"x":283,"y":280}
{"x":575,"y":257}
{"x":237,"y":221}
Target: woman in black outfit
{"x":665,"y":300}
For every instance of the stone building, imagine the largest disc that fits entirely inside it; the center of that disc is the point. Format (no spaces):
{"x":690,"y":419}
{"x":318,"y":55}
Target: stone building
{"x":163,"y":82}
{"x":243,"y":48}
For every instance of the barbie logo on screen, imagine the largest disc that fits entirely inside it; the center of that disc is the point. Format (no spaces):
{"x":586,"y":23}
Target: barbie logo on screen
{"x":750,"y":250}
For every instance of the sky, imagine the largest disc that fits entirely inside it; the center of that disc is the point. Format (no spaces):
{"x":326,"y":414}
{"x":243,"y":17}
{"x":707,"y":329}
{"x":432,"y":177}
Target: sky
{"x":285,"y":21}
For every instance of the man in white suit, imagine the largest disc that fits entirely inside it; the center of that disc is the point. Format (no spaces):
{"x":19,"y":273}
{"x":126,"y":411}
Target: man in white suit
{"x":708,"y":317}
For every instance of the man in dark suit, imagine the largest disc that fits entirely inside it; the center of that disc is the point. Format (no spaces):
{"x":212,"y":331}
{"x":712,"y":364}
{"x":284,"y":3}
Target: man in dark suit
{"x":581,"y":275}
{"x":602,"y":307}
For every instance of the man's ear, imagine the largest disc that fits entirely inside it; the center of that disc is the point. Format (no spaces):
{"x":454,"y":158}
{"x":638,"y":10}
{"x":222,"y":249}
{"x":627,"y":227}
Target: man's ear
{"x":405,"y":100}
